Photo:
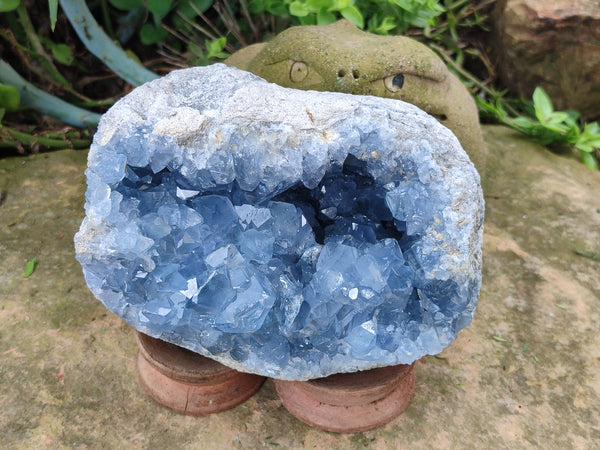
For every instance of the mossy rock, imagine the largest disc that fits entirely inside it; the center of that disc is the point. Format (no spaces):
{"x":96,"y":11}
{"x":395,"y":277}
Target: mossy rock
{"x":342,"y":58}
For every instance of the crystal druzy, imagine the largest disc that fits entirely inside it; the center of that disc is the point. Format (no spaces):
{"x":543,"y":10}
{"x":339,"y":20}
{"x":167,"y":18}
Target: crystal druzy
{"x":287,"y":233}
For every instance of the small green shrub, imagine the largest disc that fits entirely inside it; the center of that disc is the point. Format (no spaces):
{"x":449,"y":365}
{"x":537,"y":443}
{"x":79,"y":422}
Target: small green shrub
{"x":379,"y":16}
{"x":549,"y":127}
{"x":168,"y":22}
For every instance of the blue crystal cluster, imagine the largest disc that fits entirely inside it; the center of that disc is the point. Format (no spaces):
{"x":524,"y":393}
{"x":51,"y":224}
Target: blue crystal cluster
{"x":287,"y":233}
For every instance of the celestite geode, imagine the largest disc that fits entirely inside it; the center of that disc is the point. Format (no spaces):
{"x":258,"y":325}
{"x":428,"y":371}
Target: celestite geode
{"x":287,"y":233}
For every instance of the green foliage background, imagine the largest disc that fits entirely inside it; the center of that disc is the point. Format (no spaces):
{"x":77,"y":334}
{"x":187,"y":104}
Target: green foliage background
{"x":166,"y":34}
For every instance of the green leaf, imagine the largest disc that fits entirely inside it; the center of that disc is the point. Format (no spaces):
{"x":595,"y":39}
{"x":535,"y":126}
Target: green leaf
{"x":9,"y":97}
{"x":573,"y":115}
{"x":406,"y":5}
{"x":214,"y":48}
{"x":196,"y":55}
{"x":555,"y":125}
{"x":30,"y":267}
{"x":589,"y":160}
{"x":126,"y":5}
{"x":149,"y":34}
{"x":494,"y":109}
{"x":200,"y":5}
{"x":524,"y":122}
{"x":542,"y":104}
{"x":594,"y":142}
{"x":592,"y":129}
{"x":573,"y":134}
{"x":584,"y":147}
{"x":256,"y":6}
{"x":309,"y":19}
{"x":352,"y":14}
{"x":387,"y":24}
{"x":298,"y":9}
{"x":587,"y":253}
{"x":499,"y":339}
{"x":277,"y":8}
{"x":62,"y":54}
{"x":325,"y":17}
{"x":587,"y":141}
{"x":558,"y":117}
{"x":53,"y":7}
{"x":9,"y":5}
{"x":338,"y":5}
{"x":315,"y":6}
{"x":159,"y":7}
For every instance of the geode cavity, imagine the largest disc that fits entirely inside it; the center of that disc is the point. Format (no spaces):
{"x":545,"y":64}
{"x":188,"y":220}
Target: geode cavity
{"x":286,"y":233}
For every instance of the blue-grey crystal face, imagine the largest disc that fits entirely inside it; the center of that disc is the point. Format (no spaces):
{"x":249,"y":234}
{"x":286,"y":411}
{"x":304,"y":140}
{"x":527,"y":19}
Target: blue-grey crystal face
{"x":281,"y":253}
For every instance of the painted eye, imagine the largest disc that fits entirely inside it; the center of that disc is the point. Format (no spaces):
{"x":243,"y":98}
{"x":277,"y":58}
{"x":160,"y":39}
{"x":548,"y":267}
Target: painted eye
{"x":298,"y":72}
{"x":394,"y":83}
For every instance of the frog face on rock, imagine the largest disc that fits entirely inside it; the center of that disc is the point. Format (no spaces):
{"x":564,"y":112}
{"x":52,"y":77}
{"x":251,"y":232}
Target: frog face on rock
{"x":340,"y":57}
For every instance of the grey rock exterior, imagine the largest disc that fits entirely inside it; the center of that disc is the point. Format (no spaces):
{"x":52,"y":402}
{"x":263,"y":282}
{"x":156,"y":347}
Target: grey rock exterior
{"x":217,"y":130}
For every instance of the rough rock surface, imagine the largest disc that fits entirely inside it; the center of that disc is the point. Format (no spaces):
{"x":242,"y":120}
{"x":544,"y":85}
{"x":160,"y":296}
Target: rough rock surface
{"x":342,"y":58}
{"x":288,"y":233}
{"x":554,"y":44}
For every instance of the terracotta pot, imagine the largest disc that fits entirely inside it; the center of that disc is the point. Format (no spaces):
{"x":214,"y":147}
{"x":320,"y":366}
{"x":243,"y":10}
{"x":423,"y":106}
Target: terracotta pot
{"x":188,"y":382}
{"x":350,"y":402}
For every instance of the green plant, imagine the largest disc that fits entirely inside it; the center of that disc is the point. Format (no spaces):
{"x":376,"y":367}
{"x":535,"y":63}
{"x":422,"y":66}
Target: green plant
{"x":379,"y":16}
{"x":10,"y":101}
{"x":199,"y":56}
{"x":100,"y":44}
{"x":309,"y":12}
{"x":397,"y":16}
{"x":198,"y":32}
{"x":16,"y":92}
{"x":46,"y":59}
{"x":30,"y":267}
{"x":9,"y":5}
{"x":538,"y":120}
{"x":550,"y":127}
{"x":169,"y":24}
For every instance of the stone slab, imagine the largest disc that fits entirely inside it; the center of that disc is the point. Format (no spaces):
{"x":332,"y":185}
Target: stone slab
{"x":67,"y":365}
